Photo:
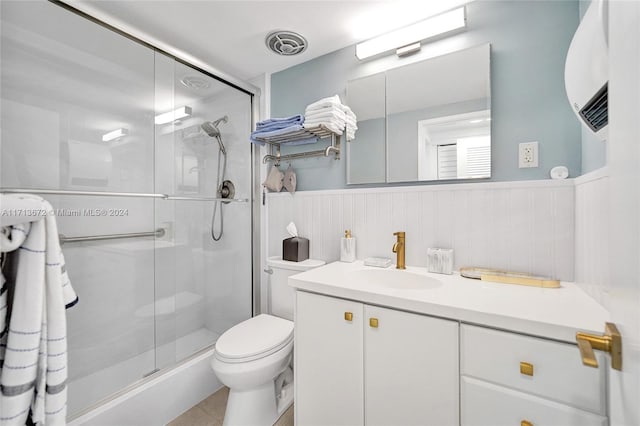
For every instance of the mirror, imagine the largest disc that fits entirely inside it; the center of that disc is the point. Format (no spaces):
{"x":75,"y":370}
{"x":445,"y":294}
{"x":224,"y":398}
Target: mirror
{"x":437,"y":122}
{"x":367,"y":100}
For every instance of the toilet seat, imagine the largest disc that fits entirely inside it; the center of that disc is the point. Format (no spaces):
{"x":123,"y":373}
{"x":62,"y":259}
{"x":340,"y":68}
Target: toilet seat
{"x":254,"y":338}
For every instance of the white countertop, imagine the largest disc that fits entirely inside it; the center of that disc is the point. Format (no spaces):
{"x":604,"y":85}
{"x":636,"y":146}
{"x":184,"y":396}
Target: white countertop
{"x":551,"y":313}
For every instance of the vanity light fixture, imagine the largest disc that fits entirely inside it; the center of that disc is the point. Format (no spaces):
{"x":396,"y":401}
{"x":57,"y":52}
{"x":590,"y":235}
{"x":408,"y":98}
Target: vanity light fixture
{"x":408,"y":50}
{"x":410,"y":36}
{"x":118,"y":133}
{"x":170,"y":116}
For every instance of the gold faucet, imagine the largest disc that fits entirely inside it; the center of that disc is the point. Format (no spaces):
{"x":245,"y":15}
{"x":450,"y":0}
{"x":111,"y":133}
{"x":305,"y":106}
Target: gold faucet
{"x":398,"y":248}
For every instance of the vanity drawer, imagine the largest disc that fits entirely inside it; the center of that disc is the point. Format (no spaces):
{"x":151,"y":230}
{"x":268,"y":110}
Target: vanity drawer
{"x":486,"y":404}
{"x":557,"y":371}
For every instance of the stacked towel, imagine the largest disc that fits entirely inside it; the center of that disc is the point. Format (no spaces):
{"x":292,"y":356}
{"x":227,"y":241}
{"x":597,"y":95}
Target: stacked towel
{"x":274,"y":127}
{"x":278,"y":123}
{"x":351,"y":122}
{"x":333,"y":115}
{"x":33,"y":345}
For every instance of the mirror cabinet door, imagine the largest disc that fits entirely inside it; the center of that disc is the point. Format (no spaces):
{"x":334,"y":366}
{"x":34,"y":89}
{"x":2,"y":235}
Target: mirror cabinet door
{"x":437,"y":120}
{"x":366,"y":156}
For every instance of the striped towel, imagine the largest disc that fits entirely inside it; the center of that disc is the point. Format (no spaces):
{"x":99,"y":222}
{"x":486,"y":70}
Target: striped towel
{"x":33,"y":346}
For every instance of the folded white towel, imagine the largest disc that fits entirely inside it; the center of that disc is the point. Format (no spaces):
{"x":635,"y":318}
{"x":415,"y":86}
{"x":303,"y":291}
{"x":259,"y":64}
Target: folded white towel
{"x":351,"y":122}
{"x":337,"y":124}
{"x":332,"y":120}
{"x":326,"y":113}
{"x":334,"y":115}
{"x":329,"y":125}
{"x":324,"y":102}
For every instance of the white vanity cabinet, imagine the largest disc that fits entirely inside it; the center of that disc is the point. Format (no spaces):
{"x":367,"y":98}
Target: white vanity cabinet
{"x":511,"y":379}
{"x":328,"y":369}
{"x":357,"y":364}
{"x":476,"y":364}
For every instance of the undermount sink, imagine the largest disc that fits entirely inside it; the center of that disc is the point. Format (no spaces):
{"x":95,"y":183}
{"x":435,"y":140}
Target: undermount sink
{"x":396,"y":279}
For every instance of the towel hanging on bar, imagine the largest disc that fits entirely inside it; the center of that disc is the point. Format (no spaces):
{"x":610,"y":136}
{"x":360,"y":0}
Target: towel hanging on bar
{"x":33,"y":341}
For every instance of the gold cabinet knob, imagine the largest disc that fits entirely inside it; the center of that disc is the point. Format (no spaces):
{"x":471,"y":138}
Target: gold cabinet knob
{"x":348,"y":316}
{"x":526,"y":423}
{"x":373,"y":322}
{"x":526,"y":369}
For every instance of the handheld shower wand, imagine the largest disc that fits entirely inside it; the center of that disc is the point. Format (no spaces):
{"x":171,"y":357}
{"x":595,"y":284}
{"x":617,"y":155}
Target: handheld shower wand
{"x":211,"y":129}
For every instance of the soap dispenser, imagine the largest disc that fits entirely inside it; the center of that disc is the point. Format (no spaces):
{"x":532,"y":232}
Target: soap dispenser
{"x":347,"y":247}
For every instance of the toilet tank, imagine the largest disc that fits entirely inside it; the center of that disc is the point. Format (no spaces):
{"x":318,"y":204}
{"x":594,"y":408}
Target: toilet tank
{"x":280,"y":296}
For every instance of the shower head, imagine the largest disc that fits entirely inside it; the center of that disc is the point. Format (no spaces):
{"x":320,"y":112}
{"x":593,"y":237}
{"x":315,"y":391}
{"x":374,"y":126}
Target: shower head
{"x":211,"y":129}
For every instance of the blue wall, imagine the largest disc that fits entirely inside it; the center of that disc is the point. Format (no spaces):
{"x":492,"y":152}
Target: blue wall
{"x":529,"y":42}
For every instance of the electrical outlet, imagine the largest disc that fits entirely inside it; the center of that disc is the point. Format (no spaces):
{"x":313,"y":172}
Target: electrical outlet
{"x":528,"y":155}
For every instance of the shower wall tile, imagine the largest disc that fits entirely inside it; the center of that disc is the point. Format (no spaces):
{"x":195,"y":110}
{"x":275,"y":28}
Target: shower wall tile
{"x":592,"y":235}
{"x":526,"y":226}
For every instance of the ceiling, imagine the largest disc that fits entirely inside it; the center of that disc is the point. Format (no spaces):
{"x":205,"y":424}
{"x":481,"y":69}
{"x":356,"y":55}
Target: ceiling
{"x":229,"y":35}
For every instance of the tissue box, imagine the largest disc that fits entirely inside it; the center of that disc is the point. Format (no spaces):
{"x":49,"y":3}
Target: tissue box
{"x":295,"y":249}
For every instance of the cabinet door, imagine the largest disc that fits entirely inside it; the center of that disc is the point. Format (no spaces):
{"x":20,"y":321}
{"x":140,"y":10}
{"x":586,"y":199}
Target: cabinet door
{"x":411,"y":369}
{"x":328,"y":361}
{"x":486,"y":404}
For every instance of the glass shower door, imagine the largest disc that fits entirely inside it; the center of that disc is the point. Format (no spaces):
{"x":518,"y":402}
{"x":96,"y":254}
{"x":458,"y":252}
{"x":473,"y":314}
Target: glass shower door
{"x":84,"y":110}
{"x":68,"y":87}
{"x":203,"y":286}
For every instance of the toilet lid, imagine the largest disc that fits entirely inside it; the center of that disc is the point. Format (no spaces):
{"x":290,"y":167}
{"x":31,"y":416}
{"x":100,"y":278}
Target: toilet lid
{"x":254,"y":336}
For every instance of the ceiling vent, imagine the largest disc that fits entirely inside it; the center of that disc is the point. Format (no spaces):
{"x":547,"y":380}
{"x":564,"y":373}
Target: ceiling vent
{"x":286,"y":43}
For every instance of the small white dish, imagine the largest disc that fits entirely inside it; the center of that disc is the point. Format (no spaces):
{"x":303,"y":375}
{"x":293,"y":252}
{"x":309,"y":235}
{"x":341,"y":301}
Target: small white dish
{"x":559,"y":172}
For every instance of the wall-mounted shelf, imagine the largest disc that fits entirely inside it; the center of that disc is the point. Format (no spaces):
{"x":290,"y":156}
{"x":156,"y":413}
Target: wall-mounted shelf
{"x":320,"y":131}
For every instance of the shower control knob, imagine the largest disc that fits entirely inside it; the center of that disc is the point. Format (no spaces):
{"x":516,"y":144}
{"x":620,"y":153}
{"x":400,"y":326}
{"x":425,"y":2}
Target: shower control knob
{"x":227,"y":190}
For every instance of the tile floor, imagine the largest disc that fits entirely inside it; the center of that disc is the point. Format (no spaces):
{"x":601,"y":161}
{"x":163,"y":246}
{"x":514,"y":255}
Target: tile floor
{"x":210,"y":412}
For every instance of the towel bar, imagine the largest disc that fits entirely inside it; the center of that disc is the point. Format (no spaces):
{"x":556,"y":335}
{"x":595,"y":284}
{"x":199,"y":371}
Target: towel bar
{"x":334,"y":148}
{"x":158,"y":233}
{"x":117,"y":194}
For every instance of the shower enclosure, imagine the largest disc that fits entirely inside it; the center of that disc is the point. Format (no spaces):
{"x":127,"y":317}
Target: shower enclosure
{"x":110,"y":132}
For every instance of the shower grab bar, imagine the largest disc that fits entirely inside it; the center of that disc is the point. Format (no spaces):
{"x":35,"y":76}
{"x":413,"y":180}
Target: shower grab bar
{"x":158,"y":233}
{"x":117,"y":194}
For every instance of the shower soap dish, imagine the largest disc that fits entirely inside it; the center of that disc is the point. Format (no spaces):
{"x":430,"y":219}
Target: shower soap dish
{"x":379,"y":262}
{"x":508,"y":277}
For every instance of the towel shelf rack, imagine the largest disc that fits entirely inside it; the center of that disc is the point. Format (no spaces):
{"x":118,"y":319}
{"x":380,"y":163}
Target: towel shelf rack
{"x":158,"y":233}
{"x":320,"y":131}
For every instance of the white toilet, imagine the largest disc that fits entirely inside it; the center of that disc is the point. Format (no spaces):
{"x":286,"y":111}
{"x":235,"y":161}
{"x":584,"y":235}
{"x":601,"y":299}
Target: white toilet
{"x":253,"y":358}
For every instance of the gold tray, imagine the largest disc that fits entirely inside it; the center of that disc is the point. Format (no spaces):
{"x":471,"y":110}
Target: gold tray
{"x":508,"y":277}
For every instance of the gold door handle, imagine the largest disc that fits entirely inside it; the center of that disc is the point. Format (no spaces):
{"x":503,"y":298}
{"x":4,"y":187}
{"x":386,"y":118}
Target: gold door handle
{"x":587,"y":354}
{"x":373,"y":322}
{"x":610,"y":341}
{"x":348,"y":316}
{"x":526,"y":423}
